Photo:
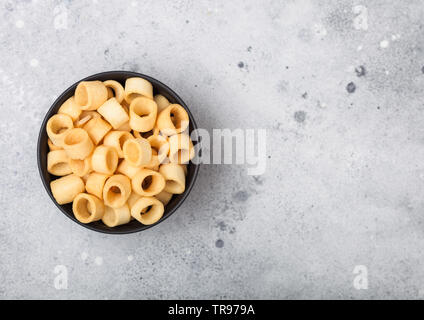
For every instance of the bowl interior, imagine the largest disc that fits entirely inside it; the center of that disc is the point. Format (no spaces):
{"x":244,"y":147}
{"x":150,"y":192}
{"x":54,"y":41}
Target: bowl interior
{"x":42,"y":150}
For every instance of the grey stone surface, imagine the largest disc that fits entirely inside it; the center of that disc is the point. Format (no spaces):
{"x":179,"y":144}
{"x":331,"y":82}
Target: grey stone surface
{"x":338,"y":89}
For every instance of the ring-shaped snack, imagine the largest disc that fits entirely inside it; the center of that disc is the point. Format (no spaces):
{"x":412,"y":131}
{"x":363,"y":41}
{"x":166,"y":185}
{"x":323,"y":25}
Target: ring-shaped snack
{"x":117,"y":89}
{"x":147,"y":210}
{"x":90,"y":95}
{"x":181,"y":148}
{"x":174,"y":178}
{"x":53,"y":147}
{"x":88,"y":208}
{"x":164,"y":197}
{"x":147,"y":183}
{"x":137,"y":152}
{"x":144,"y":135}
{"x":65,"y":189}
{"x":172,"y":120}
{"x":104,"y":159}
{"x":77,"y":144}
{"x":132,"y":199}
{"x":116,"y":216}
{"x":136,"y":87}
{"x":116,"y":191}
{"x":95,"y":184}
{"x":110,"y":93}
{"x":114,"y":113}
{"x":117,"y":139}
{"x":97,"y":128}
{"x":154,"y":162}
{"x":70,"y":108}
{"x":57,"y":127}
{"x":162,"y":102}
{"x":125,"y":127}
{"x":143,"y":114}
{"x":161,"y":145}
{"x":58,"y":163}
{"x":80,"y":167}
{"x":125,"y":168}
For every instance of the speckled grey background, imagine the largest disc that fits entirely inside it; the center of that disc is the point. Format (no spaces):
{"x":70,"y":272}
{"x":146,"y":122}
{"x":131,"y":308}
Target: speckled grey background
{"x":338,"y":87}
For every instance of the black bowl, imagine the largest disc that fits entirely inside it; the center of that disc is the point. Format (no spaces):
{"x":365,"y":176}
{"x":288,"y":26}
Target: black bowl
{"x":42,"y":150}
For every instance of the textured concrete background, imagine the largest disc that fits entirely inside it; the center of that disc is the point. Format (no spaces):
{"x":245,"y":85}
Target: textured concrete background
{"x":336,"y":84}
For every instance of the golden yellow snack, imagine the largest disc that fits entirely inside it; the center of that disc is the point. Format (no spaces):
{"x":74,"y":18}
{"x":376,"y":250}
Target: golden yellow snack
{"x":132,"y":199}
{"x":125,"y":168}
{"x":172,"y":120}
{"x":70,"y":108}
{"x":155,"y":131}
{"x":86,"y":116}
{"x":90,"y":95}
{"x":126,"y":106}
{"x":116,"y":191}
{"x":154,"y":162}
{"x":137,"y":134}
{"x":184,"y":166}
{"x":111,"y":143}
{"x":160,"y":145}
{"x":137,"y":152}
{"x":95,"y":184}
{"x":117,"y":89}
{"x":81,"y":122}
{"x":110,"y":93}
{"x":147,"y":210}
{"x":145,"y":135}
{"x":58,"y":163}
{"x":85,"y":178}
{"x":125,"y":127}
{"x":97,"y":128}
{"x":143,"y":113}
{"x":174,"y":177}
{"x":57,"y":127}
{"x":116,"y":216}
{"x":87,"y":113}
{"x":162,"y":102}
{"x":91,"y":113}
{"x":104,"y":160}
{"x":81,"y":167}
{"x":181,"y":148}
{"x":164,"y":197}
{"x":114,"y":113}
{"x":77,"y":144}
{"x":136,"y":87}
{"x":147,"y":182}
{"x":88,"y":208}
{"x":65,"y":189}
{"x":52,"y":147}
{"x":117,"y":139}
